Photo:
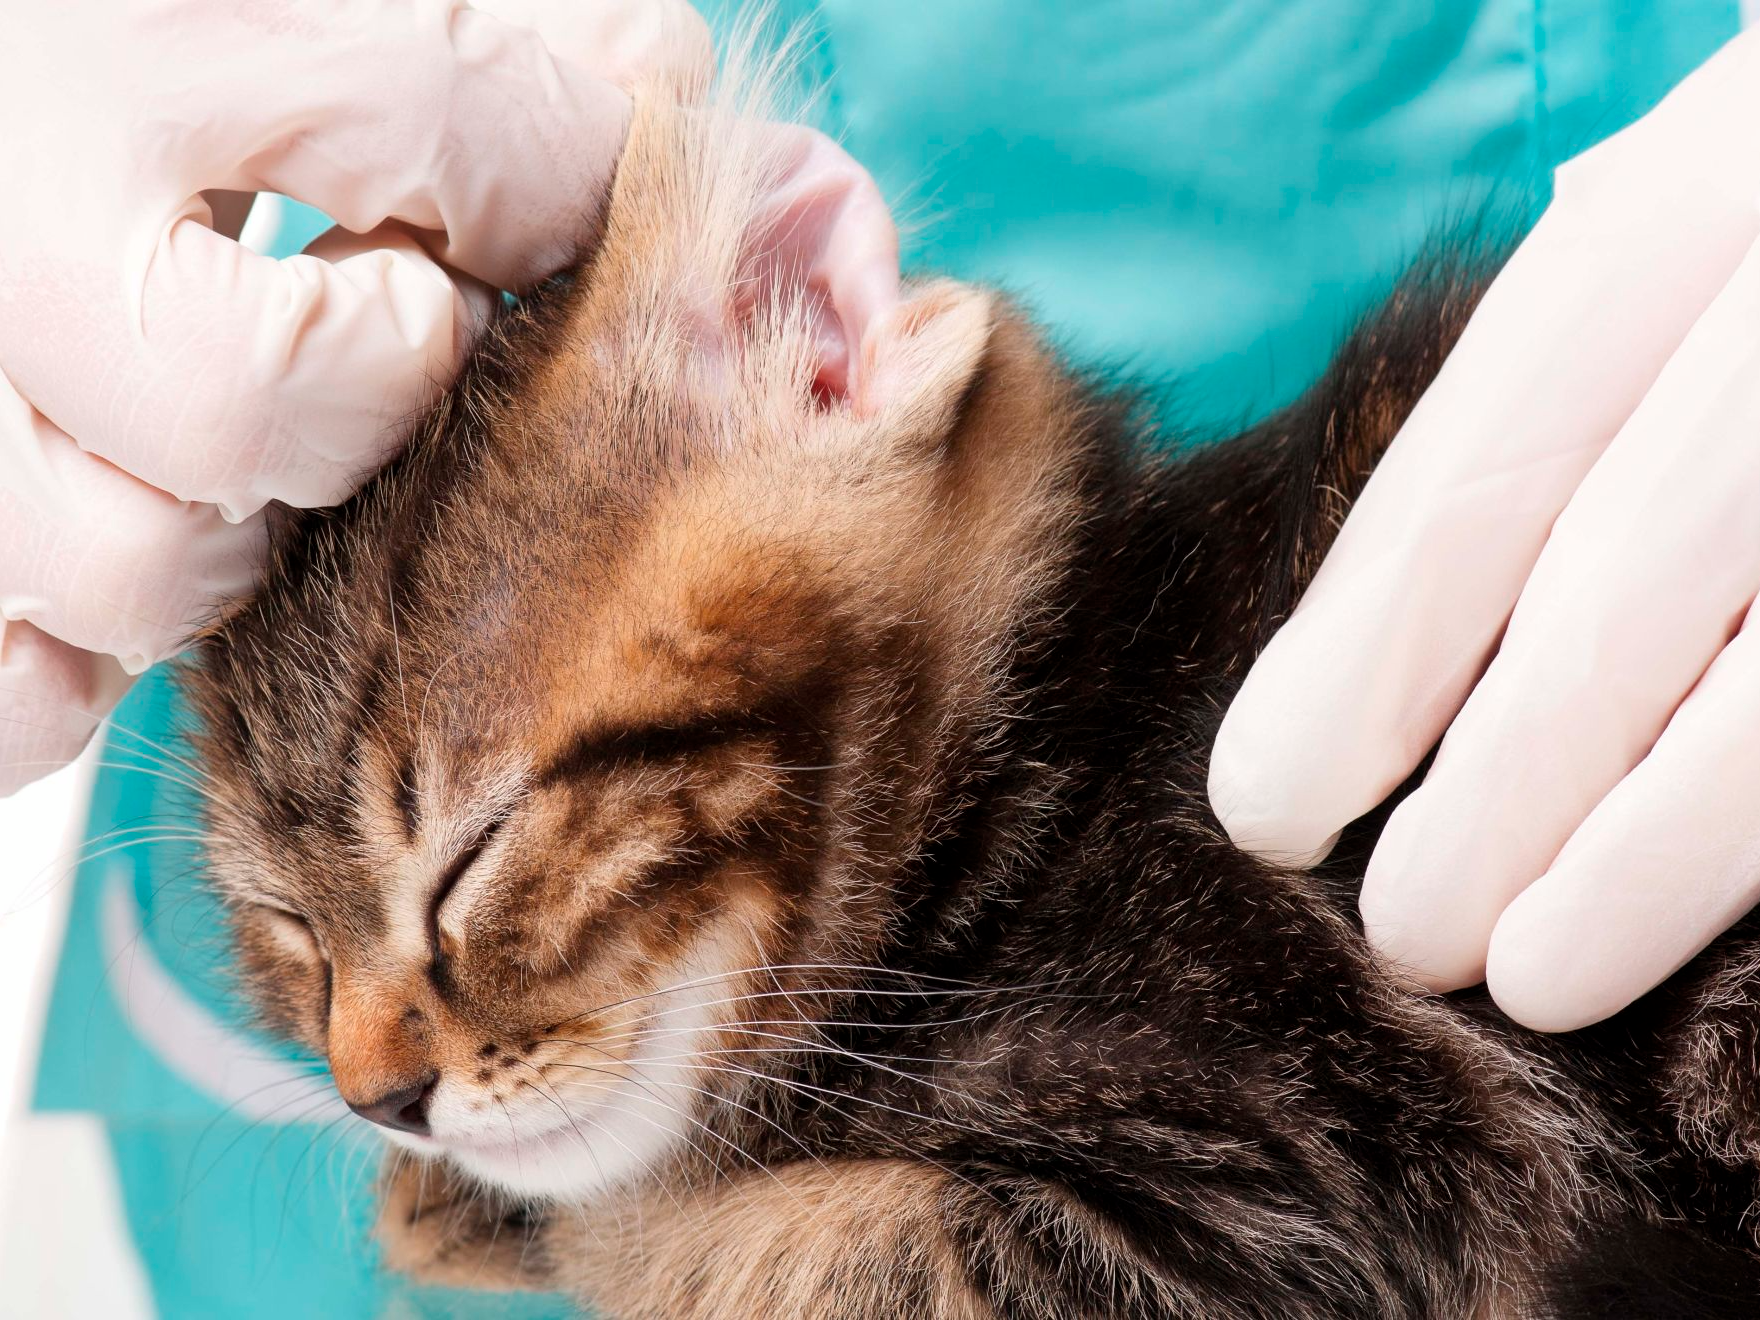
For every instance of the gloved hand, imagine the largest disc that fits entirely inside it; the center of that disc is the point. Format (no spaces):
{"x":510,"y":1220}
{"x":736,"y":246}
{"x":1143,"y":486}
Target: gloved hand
{"x":1556,"y":563}
{"x":159,"y":384}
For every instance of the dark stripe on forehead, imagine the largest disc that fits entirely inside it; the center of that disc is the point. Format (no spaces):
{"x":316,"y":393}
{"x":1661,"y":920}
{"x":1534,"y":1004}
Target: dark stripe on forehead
{"x":368,"y":697}
{"x":791,"y":714}
{"x":378,"y":674}
{"x":400,"y":586}
{"x":604,"y":750}
{"x":408,"y":809}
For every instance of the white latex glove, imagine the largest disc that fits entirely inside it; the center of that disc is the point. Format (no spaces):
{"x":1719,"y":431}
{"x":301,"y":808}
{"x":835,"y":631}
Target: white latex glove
{"x":1555,"y":563}
{"x":159,"y":384}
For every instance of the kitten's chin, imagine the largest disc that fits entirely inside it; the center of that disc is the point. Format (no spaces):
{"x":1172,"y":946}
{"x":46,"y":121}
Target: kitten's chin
{"x":616,"y":1143}
{"x":621,"y":1136}
{"x":554,"y":1166}
{"x":640,"y":1122}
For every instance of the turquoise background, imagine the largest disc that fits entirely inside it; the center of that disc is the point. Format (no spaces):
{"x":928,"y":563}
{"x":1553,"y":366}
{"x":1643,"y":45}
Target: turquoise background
{"x":1209,"y":191}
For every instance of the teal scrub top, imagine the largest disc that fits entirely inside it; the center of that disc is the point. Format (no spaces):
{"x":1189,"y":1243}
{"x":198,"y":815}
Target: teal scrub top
{"x":1206,"y":192}
{"x":1209,"y":193}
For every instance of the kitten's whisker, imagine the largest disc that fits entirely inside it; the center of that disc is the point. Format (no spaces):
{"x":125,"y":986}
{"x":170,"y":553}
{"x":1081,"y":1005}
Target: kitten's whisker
{"x":273,"y":1117}
{"x":870,"y":1061}
{"x":750,"y":1027}
{"x":130,"y":767}
{"x":785,"y":769}
{"x":144,"y":839}
{"x":865,"y":1060}
{"x":428,"y":690}
{"x":96,"y":721}
{"x":761,"y":968}
{"x":822,"y":1024}
{"x":246,"y":1098}
{"x":806,"y":991}
{"x":513,"y":1135}
{"x":791,"y":1045}
{"x":809,"y":1088}
{"x":323,"y":1134}
{"x":852,"y":1118}
{"x":165,"y":751}
{"x":734,"y":1023}
{"x":84,"y":854}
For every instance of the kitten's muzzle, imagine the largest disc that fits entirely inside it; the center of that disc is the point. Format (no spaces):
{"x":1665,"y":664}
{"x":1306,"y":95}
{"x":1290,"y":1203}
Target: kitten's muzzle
{"x":403,"y":1110}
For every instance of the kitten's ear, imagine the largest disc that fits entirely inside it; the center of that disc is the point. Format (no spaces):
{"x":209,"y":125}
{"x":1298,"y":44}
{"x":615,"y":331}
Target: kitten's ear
{"x":823,"y":229}
{"x":920,"y":356}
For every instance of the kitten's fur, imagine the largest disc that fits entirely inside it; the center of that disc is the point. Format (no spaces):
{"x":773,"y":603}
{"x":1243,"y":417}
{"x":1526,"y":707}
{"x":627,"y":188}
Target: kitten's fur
{"x":776,"y":831}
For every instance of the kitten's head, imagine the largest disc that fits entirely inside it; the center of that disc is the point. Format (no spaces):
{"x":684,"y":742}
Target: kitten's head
{"x":592,"y":737}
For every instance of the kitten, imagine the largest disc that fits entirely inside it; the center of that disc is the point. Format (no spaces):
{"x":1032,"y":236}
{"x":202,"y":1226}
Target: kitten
{"x":750,"y":850}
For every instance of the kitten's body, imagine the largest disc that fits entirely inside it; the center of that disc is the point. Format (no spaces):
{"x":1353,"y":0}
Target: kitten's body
{"x":1001,"y":1024}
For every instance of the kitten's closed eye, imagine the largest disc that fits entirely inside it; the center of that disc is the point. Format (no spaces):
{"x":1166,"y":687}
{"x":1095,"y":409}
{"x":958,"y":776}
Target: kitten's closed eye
{"x":292,"y":932}
{"x":456,"y":871}
{"x":292,"y":961}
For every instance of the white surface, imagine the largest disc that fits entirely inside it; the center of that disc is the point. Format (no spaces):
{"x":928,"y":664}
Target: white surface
{"x":65,"y":1252}
{"x":39,"y":843}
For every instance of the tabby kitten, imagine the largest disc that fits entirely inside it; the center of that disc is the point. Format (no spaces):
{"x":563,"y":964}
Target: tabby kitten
{"x":750,"y":852}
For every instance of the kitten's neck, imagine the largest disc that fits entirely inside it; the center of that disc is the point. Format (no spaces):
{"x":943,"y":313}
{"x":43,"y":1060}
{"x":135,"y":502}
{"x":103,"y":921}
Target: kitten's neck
{"x":1085,"y":694}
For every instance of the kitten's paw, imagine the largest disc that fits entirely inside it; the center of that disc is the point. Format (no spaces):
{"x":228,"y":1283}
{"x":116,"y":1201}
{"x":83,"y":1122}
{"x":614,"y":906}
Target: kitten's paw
{"x":440,"y":1228}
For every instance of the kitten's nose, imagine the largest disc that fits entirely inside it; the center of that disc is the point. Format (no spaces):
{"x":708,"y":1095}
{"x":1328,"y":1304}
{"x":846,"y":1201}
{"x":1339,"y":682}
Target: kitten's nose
{"x":402,"y":1111}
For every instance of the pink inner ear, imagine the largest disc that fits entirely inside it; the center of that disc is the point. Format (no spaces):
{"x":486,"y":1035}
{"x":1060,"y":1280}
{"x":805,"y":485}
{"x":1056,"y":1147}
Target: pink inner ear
{"x":823,"y":230}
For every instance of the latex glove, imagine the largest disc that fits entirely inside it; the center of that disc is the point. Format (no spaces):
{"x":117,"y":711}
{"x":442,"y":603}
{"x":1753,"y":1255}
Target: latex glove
{"x":1555,"y":563}
{"x":160,"y":384}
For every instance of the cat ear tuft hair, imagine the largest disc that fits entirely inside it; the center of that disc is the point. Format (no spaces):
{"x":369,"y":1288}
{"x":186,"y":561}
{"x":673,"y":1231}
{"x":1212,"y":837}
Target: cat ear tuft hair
{"x":920,"y":357}
{"x":822,"y":239}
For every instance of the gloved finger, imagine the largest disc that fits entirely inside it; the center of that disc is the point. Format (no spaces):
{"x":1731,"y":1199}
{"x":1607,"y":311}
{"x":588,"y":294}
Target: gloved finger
{"x":441,"y":116}
{"x":52,"y":696}
{"x":244,"y":379}
{"x":1403,"y":614}
{"x":100,"y":560}
{"x":1666,"y":862}
{"x":474,"y":302}
{"x":625,"y":42}
{"x":1645,"y":576}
